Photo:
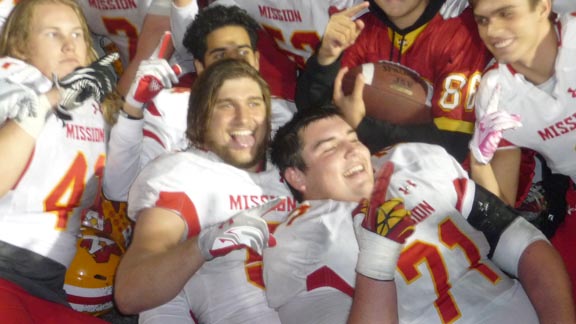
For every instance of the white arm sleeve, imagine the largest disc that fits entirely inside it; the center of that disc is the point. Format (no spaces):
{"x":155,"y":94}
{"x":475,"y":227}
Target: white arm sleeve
{"x":180,"y":18}
{"x":515,"y":239}
{"x":123,"y":158}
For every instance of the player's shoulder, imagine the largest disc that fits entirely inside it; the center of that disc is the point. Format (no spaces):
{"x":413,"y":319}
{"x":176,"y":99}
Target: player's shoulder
{"x":405,"y":154}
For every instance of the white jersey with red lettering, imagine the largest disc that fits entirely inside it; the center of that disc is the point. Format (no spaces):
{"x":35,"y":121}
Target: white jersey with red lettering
{"x":204,"y":191}
{"x":548,"y":117}
{"x":62,"y":178}
{"x":121,"y":21}
{"x":443,"y":274}
{"x":296,"y":25}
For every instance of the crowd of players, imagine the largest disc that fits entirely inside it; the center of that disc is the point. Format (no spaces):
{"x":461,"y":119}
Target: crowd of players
{"x":174,"y":135}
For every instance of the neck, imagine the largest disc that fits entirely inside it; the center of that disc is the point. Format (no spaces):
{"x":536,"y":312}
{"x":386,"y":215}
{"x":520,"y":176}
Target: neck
{"x":540,"y":66}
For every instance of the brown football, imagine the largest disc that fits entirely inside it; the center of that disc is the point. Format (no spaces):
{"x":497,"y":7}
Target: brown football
{"x":392,"y":92}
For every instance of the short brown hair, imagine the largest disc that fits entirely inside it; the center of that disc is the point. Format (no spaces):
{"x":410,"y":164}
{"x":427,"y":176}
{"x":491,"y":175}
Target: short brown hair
{"x":205,"y":91}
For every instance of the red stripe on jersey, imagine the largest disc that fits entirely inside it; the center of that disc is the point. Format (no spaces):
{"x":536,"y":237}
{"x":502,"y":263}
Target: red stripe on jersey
{"x":326,"y":277}
{"x":153,"y":136}
{"x":460,"y":187}
{"x":181,"y":203}
{"x":89,"y":300}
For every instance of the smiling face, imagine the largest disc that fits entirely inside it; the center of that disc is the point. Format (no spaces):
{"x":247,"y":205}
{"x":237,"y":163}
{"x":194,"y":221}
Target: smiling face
{"x":337,"y":165}
{"x":238,"y":128}
{"x":512,"y":29}
{"x":228,"y":42}
{"x":56,"y":43}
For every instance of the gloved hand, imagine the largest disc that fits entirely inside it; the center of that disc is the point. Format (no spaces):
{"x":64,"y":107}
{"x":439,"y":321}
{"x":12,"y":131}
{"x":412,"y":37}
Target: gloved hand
{"x":453,"y":8}
{"x":246,"y":229}
{"x":22,"y":73}
{"x":153,"y":75}
{"x":94,"y":81}
{"x":381,"y":227}
{"x":488,"y":130}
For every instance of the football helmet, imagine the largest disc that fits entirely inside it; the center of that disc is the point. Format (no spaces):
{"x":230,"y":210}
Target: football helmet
{"x":90,"y":276}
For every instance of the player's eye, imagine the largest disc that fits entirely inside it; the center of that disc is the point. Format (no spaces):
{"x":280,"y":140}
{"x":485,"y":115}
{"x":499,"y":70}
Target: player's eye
{"x":481,"y":21}
{"x":244,"y":52}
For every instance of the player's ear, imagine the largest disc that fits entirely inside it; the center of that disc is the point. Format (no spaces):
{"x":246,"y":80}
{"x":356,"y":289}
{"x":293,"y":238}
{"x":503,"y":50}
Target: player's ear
{"x":544,"y":8}
{"x":296,"y":178}
{"x":199,"y":66}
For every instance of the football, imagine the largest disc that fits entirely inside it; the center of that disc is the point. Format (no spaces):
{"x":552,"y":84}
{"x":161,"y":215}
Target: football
{"x":392,"y":92}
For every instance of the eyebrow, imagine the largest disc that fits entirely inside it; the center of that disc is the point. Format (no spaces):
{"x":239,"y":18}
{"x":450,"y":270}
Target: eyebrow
{"x":224,"y":49}
{"x":257,"y":98}
{"x":329,"y":139}
{"x":495,"y":11}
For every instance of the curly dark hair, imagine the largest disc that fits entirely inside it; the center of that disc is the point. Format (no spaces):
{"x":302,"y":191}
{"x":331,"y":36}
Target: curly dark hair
{"x":212,"y":18}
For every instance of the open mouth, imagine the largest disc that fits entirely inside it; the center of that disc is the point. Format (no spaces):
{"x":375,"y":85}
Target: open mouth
{"x":243,"y":138}
{"x":502,"y":44}
{"x":354,"y":170}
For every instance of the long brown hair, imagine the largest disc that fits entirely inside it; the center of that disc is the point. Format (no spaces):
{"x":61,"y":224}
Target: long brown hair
{"x":16,"y":34}
{"x":205,"y":92}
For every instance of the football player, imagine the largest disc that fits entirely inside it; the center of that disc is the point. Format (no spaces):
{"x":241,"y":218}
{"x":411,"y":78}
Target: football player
{"x":448,"y":54}
{"x":446,"y":246}
{"x":194,"y":210}
{"x":53,"y":135}
{"x":533,"y":82}
{"x":218,"y":32}
{"x":133,"y":27}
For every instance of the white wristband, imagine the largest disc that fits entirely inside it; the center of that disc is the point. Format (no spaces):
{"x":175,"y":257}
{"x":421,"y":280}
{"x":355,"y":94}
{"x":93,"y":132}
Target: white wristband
{"x":378,"y":256}
{"x":34,"y":123}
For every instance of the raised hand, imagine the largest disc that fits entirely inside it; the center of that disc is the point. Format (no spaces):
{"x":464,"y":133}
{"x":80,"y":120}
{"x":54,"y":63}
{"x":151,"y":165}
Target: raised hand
{"x":381,"y":226}
{"x":488,"y":130}
{"x":352,"y":106}
{"x":153,"y":75}
{"x":246,"y":229}
{"x":341,"y":32}
{"x":453,"y":8}
{"x":94,"y":81}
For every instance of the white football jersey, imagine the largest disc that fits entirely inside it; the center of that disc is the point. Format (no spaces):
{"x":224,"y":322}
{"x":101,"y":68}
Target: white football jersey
{"x":296,"y":25}
{"x":443,"y":274}
{"x":548,"y":120}
{"x":121,"y":21}
{"x":63,"y":177}
{"x":564,"y":6}
{"x":204,"y":191}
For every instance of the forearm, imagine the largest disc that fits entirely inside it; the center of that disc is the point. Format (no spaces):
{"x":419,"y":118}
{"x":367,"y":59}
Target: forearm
{"x":315,"y":84}
{"x":374,"y":301}
{"x":147,"y":280}
{"x":544,"y":278}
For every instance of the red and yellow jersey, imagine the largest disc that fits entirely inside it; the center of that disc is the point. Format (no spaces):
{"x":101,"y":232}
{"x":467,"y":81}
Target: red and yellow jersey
{"x":448,"y":54}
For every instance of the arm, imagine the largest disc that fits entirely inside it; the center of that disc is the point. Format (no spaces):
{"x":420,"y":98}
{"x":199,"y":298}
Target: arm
{"x":365,"y":309}
{"x":18,"y":138}
{"x":156,"y":265}
{"x":315,"y":84}
{"x":546,"y":282}
{"x":153,"y":29}
{"x":500,"y":176}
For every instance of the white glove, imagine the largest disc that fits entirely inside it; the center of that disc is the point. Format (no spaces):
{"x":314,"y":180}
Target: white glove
{"x":453,"y":8}
{"x":153,"y":75}
{"x":488,"y":129}
{"x":246,"y":229}
{"x":20,"y":72}
{"x":381,"y":226}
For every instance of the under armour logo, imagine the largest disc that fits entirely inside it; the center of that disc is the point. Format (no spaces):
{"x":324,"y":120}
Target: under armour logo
{"x":405,"y":190}
{"x":573,"y":92}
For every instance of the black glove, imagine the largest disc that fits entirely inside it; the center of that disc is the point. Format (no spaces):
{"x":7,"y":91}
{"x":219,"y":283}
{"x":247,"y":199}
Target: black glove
{"x":94,"y":81}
